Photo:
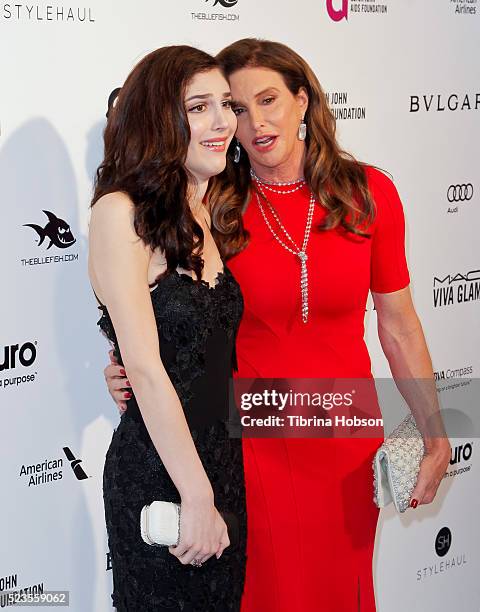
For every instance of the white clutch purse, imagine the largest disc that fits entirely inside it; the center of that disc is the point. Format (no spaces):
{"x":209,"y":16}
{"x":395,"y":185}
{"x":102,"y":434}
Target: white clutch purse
{"x":396,"y":465}
{"x":160,"y":523}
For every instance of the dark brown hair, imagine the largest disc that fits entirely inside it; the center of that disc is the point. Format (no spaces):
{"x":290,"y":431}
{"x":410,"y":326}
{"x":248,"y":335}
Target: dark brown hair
{"x":146,"y":143}
{"x":338,"y":181}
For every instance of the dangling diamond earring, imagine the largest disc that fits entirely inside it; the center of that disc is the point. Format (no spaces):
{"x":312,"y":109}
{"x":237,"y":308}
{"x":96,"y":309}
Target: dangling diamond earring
{"x":302,"y":130}
{"x":237,"y":151}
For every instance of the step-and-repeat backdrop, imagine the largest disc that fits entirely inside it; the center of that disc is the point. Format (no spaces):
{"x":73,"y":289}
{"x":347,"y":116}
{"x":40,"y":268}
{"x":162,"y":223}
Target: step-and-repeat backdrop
{"x":403,"y":80}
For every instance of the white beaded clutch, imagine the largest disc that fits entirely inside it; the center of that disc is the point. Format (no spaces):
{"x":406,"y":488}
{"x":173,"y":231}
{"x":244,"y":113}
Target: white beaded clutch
{"x":160,"y":523}
{"x":396,"y":465}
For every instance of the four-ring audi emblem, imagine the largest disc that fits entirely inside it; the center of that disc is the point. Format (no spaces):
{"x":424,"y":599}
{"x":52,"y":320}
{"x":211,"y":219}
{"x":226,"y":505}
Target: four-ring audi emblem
{"x":460,"y":193}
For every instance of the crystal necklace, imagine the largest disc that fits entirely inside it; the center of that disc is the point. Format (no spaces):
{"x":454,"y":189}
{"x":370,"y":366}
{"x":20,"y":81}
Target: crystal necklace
{"x":301,"y":253}
{"x":299,"y":183}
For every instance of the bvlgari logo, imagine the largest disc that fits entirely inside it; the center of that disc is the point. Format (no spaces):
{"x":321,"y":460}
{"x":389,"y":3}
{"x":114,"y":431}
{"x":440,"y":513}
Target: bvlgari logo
{"x":56,"y":230}
{"x":439,"y":103}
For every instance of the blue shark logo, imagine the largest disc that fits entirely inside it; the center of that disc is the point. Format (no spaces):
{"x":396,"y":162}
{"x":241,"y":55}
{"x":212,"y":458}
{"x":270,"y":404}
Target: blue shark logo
{"x":56,"y":230}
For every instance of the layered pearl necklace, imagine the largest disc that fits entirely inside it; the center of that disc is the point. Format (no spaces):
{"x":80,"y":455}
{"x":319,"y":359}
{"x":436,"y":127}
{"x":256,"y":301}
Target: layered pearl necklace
{"x":301,"y":253}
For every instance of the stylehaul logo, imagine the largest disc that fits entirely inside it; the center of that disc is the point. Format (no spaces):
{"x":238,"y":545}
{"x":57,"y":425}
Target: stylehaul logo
{"x":442,"y":546}
{"x":52,"y":12}
{"x":339,"y":9}
{"x":456,"y":289}
{"x":13,"y":357}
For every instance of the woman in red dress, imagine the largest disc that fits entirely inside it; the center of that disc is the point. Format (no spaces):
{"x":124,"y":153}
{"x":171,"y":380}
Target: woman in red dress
{"x":294,"y":207}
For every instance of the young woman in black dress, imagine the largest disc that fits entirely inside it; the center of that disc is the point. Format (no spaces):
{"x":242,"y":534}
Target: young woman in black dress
{"x":171,"y":310}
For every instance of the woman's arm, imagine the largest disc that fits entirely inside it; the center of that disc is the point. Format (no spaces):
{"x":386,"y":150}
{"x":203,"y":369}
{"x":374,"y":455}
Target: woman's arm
{"x":403,"y":342}
{"x":118,"y":266}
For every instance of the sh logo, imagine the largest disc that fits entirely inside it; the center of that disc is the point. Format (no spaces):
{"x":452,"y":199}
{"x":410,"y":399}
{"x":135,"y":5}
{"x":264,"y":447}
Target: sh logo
{"x":443,"y":541}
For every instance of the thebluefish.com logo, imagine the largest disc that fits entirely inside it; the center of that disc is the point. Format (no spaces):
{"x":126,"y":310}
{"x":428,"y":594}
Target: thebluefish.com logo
{"x":219,"y":14}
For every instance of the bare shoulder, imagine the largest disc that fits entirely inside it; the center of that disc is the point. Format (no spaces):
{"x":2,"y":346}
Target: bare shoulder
{"x":111,"y":207}
{"x":116,"y":254}
{"x":112,"y":227}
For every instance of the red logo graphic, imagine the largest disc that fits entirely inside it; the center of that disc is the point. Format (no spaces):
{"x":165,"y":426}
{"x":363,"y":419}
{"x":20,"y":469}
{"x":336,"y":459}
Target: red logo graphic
{"x":337,"y":14}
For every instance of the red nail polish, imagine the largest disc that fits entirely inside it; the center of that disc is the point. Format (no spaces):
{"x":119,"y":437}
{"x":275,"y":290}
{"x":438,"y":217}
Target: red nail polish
{"x":122,"y":372}
{"x":127,"y":395}
{"x":127,"y":383}
{"x":414,"y":503}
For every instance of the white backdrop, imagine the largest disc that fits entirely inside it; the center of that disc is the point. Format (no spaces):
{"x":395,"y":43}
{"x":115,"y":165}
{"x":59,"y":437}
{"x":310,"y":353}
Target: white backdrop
{"x":403,"y":78}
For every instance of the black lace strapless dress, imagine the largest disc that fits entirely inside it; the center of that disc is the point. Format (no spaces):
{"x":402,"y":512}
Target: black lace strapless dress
{"x":197,"y":326}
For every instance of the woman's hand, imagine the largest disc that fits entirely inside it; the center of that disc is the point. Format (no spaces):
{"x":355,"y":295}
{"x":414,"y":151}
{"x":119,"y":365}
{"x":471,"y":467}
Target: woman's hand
{"x":117,"y":383}
{"x":432,"y":469}
{"x":203,"y":533}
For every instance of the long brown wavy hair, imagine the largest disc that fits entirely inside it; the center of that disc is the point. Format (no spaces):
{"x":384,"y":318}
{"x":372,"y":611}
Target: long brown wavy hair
{"x":338,"y":181}
{"x":146,"y":142}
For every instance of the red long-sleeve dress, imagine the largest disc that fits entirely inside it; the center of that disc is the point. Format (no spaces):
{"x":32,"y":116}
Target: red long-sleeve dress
{"x":311,"y":516}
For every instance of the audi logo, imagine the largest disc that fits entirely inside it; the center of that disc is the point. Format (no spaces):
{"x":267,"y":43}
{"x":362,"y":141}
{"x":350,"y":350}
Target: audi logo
{"x":460,"y":193}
